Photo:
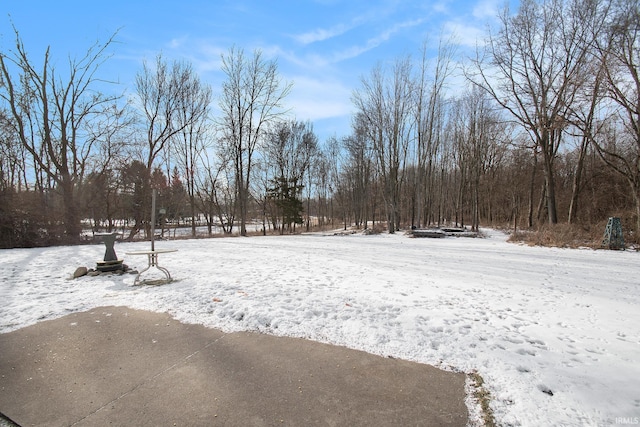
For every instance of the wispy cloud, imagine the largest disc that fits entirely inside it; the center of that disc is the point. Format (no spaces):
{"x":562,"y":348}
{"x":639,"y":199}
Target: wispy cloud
{"x":376,"y":41}
{"x":386,"y":35}
{"x":322,"y":34}
{"x":308,"y":62}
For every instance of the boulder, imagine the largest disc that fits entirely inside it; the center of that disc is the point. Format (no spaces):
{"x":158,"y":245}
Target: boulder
{"x":80,"y":271}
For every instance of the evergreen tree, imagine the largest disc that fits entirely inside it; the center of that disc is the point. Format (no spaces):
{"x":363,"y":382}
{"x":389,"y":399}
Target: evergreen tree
{"x":286,"y":196}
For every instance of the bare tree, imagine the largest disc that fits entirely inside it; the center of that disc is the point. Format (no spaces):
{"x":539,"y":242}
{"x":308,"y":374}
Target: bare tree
{"x":332,"y":171}
{"x":112,"y":129}
{"x":430,"y":85}
{"x":252,"y":97}
{"x":216,"y":189}
{"x":166,"y":113}
{"x":386,"y":106}
{"x":586,"y":115}
{"x":13,"y":165}
{"x":620,"y":56}
{"x":290,"y":148}
{"x":358,"y":168}
{"x":310,"y":155}
{"x":322,"y":175}
{"x":48,"y":111}
{"x":533,"y":68}
{"x":479,"y":135}
{"x":192,"y":117}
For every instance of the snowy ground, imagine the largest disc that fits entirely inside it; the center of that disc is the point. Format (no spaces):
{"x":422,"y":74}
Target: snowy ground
{"x":554,"y":332}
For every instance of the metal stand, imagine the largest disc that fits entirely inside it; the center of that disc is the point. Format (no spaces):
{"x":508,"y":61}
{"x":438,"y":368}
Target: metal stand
{"x":152,"y":255}
{"x":152,"y":258}
{"x":613,"y":237}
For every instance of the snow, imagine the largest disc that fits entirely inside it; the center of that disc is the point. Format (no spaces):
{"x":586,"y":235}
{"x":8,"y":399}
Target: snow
{"x":553,"y":332}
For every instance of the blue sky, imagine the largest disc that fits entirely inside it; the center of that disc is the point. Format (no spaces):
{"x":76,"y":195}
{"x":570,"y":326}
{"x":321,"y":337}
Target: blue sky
{"x":323,"y":47}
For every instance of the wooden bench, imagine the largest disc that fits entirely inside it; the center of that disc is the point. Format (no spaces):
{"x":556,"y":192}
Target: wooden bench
{"x":432,"y":233}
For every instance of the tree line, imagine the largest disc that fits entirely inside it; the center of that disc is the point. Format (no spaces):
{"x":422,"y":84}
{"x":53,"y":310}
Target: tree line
{"x":545,"y":130}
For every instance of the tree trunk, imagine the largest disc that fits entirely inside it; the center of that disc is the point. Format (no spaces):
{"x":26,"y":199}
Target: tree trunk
{"x":541,"y":204}
{"x":72,"y":226}
{"x":635,"y":189}
{"x":192,"y":202}
{"x":577,"y":178}
{"x":550,"y":187}
{"x":532,"y":189}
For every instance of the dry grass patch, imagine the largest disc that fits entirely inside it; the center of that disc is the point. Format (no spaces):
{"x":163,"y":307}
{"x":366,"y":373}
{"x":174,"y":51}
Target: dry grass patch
{"x":559,"y":235}
{"x":483,"y":397}
{"x":573,"y":235}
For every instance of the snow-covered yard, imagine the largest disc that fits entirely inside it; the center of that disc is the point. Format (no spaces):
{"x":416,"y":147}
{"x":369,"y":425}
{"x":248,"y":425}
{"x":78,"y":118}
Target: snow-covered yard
{"x":555,"y":333}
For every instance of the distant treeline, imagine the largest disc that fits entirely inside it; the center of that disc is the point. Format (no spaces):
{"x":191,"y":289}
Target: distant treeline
{"x":546,"y":131}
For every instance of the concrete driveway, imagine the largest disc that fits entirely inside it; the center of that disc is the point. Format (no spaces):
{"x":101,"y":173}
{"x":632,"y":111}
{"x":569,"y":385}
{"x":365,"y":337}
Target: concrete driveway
{"x":124,"y":367}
